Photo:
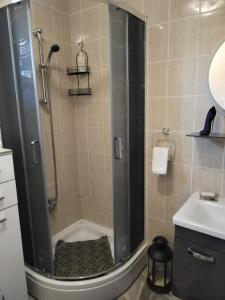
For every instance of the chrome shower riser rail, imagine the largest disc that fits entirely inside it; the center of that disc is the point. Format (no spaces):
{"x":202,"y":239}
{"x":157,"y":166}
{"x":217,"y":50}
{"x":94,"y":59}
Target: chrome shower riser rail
{"x":37,"y":33}
{"x":46,"y":100}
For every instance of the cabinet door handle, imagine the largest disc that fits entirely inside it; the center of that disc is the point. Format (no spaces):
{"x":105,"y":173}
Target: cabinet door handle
{"x":2,"y":220}
{"x":202,"y":255}
{"x":2,"y":198}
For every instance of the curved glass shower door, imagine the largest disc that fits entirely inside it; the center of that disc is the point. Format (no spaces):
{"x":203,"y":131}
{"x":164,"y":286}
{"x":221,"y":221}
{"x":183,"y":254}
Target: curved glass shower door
{"x":87,"y":142}
{"x":127,"y":37}
{"x":20,"y":128}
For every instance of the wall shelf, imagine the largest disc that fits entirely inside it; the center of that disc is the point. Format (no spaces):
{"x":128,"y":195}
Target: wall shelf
{"x":81,"y":71}
{"x":78,"y":70}
{"x":211,"y":136}
{"x":80,"y":92}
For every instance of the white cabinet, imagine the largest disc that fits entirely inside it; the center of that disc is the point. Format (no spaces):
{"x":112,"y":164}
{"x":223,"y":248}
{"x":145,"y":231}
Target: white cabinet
{"x":12,"y":273}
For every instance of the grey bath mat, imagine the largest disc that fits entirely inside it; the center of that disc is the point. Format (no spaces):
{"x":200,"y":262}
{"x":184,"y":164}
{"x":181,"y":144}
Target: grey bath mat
{"x":82,"y":258}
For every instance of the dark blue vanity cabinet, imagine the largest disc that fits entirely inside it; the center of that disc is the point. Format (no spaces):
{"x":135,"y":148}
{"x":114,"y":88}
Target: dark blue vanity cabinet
{"x":198,"y":266}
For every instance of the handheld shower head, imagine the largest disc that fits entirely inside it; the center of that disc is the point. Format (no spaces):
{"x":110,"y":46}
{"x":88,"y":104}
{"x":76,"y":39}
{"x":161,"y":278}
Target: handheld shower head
{"x":54,"y":48}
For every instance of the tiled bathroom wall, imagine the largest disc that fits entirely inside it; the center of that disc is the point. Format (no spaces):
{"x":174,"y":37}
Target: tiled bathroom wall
{"x":82,"y":125}
{"x":53,"y":17}
{"x":182,"y":37}
{"x":89,"y":22}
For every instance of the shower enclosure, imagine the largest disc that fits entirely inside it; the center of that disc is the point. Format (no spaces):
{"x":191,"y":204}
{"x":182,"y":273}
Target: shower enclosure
{"x":85,"y":154}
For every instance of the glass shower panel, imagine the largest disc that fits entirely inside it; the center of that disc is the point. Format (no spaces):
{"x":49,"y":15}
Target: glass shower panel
{"x":23,"y":134}
{"x":119,"y":65}
{"x":127,"y":82}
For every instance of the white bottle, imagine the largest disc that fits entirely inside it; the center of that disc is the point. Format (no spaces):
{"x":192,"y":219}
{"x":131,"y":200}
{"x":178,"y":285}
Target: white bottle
{"x":81,"y":61}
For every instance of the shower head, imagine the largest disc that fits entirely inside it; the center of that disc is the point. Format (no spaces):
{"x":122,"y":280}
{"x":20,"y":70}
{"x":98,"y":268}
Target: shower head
{"x":54,"y":48}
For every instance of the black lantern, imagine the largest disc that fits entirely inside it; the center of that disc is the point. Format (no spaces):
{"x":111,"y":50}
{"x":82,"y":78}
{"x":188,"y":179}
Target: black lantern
{"x":160,"y":266}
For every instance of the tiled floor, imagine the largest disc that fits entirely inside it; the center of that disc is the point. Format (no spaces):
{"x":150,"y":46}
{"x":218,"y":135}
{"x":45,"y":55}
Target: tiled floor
{"x":140,"y":291}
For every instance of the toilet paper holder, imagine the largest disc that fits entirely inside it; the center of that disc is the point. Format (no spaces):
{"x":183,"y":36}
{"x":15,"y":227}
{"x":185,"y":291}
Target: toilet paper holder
{"x":165,"y":139}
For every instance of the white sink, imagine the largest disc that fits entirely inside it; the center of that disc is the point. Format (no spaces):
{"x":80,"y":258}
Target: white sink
{"x":203,"y":216}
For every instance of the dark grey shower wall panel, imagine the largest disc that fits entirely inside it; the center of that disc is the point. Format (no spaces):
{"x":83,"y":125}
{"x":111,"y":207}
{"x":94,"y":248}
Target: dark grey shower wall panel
{"x":22,"y":106}
{"x":136,"y":69}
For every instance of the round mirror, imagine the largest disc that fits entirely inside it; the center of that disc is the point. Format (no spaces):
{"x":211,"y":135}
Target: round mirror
{"x":217,"y":76}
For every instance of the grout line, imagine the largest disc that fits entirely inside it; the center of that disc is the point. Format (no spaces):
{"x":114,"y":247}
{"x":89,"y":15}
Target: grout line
{"x":195,"y":103}
{"x":176,"y":59}
{"x":167,"y":93}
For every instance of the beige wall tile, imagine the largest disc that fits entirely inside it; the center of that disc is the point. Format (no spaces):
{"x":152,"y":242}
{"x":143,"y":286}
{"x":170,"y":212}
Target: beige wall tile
{"x":42,"y":17}
{"x":105,"y":57}
{"x":97,"y":165}
{"x":181,"y":78}
{"x":157,"y":107}
{"x":206,"y":180}
{"x":203,"y":75}
{"x":61,"y":27}
{"x":104,"y":20}
{"x":61,"y":5}
{"x":93,"y":50}
{"x":158,"y":42}
{"x":82,"y":145}
{"x":96,"y":140}
{"x":75,"y":31}
{"x":157,"y":11}
{"x":183,"y":8}
{"x":155,"y":204}
{"x":170,"y":233}
{"x":98,"y":188}
{"x":149,"y":144}
{"x":208,"y":154}
{"x":183,"y":38}
{"x":83,"y":165}
{"x":74,"y":6}
{"x":68,"y":140}
{"x":105,"y":84}
{"x":80,"y":112}
{"x":157,"y":81}
{"x":108,"y":140}
{"x":94,"y":111}
{"x":85,"y":4}
{"x":179,"y":180}
{"x":172,"y":203}
{"x":91,"y":24}
{"x":180,"y":113}
{"x":181,"y":148}
{"x":84,"y":188}
{"x":154,"y":227}
{"x":212,"y":31}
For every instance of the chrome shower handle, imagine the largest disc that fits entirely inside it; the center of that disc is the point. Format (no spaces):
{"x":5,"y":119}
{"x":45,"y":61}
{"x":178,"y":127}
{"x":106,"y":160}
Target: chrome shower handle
{"x":117,"y":148}
{"x":36,"y":159}
{"x":3,"y":219}
{"x":2,"y":295}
